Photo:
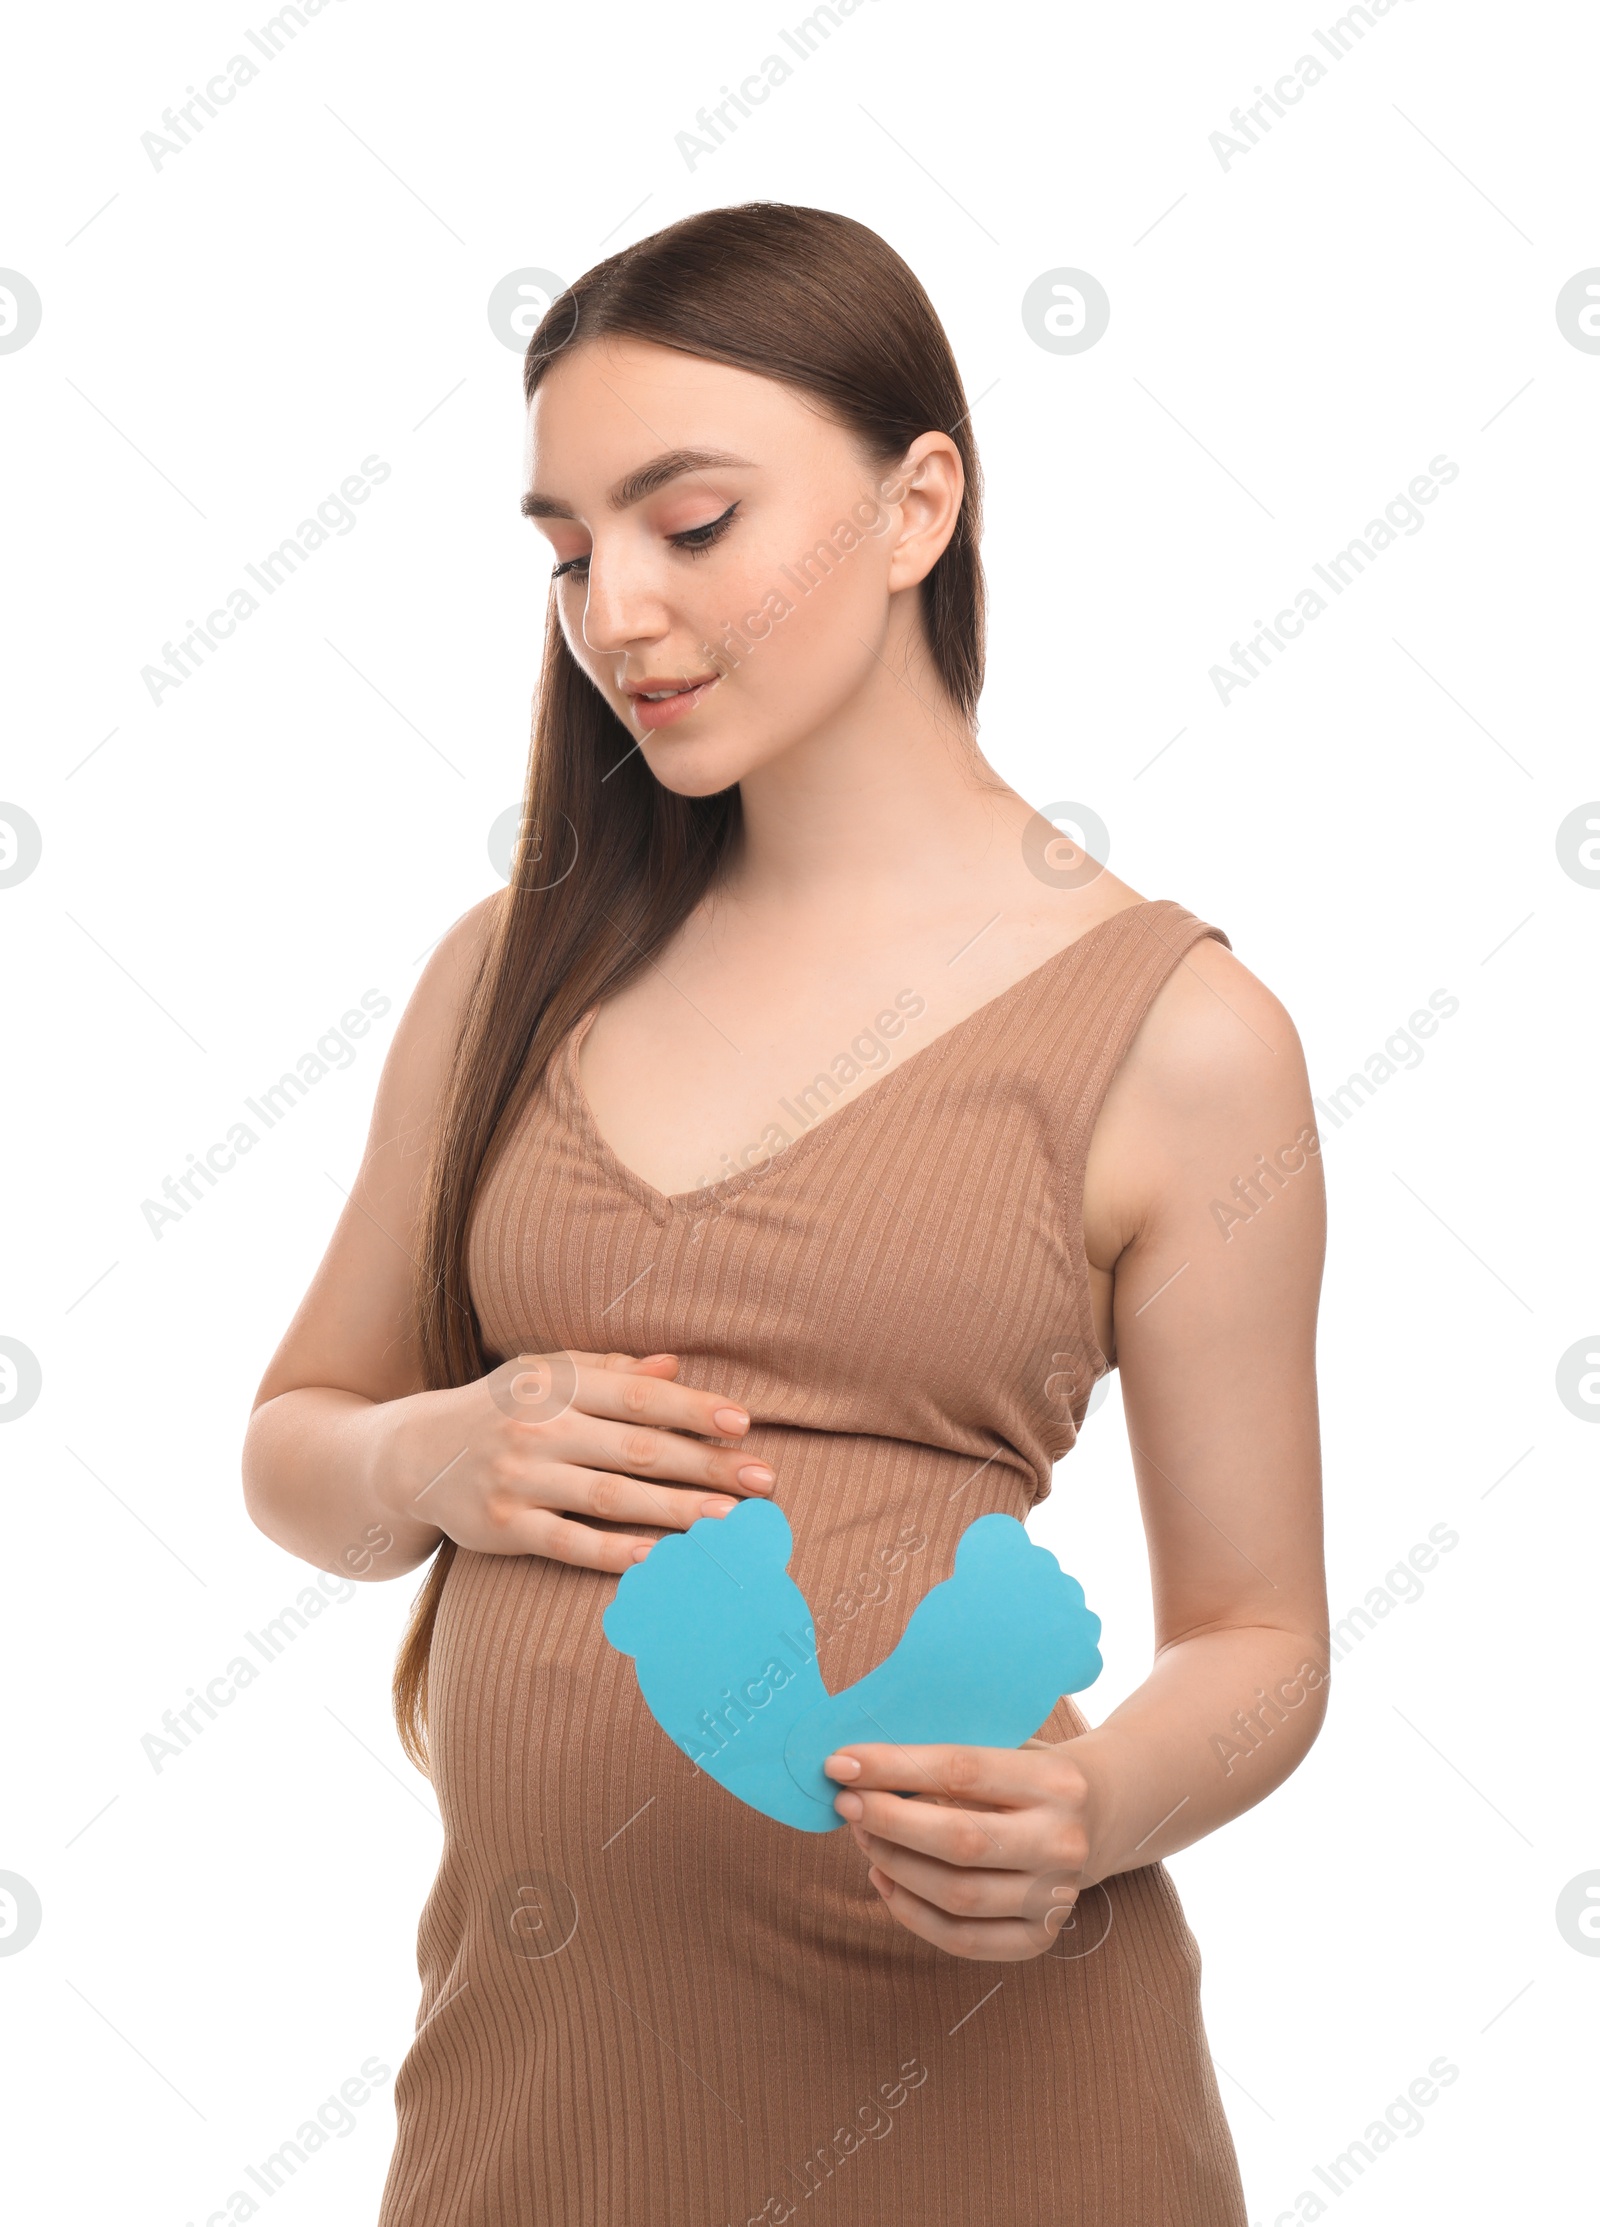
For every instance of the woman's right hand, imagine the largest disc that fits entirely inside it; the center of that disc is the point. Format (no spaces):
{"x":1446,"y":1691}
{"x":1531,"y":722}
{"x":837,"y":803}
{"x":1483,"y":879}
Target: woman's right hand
{"x":510,"y":1463}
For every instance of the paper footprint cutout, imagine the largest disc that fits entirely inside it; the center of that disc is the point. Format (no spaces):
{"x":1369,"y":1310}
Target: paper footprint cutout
{"x":725,"y":1652}
{"x":983,"y":1661}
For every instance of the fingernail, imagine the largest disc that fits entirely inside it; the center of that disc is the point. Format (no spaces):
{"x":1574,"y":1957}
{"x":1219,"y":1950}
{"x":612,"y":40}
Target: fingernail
{"x":661,"y":1357}
{"x":639,"y":1553}
{"x":842,"y":1767}
{"x":731,"y":1419}
{"x":757,"y":1473}
{"x":717,"y":1505}
{"x":850,"y":1805}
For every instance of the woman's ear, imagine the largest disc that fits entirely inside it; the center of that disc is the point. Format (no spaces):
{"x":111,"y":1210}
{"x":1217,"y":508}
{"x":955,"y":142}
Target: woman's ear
{"x":928,"y":484}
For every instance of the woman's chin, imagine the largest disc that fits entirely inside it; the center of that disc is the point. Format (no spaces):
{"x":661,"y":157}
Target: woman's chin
{"x":692,"y":765}
{"x":696,"y":780}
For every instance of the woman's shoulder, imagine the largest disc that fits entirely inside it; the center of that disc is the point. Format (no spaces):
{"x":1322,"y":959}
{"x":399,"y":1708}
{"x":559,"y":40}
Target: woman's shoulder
{"x":421,"y":1054}
{"x":1214,"y":1032}
{"x":1213,"y":1078}
{"x":461,"y":951}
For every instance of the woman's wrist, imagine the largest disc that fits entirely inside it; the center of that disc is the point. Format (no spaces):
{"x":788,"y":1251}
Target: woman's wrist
{"x":1159,"y":1773}
{"x":394,"y":1483}
{"x":1101,"y":1760}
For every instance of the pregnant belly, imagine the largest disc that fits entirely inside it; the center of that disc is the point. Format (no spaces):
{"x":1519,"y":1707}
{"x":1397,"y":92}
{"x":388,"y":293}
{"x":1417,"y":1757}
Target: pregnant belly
{"x":551,"y":1774}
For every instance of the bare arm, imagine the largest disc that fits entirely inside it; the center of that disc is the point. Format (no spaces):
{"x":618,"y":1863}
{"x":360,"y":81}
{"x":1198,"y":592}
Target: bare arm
{"x":1211,"y":1145}
{"x":1215,"y":1327}
{"x":351,"y":1463}
{"x":311,"y":1477}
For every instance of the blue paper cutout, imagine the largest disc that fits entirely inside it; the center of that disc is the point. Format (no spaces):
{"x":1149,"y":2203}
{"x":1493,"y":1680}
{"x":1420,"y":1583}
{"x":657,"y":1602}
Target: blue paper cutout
{"x":725,"y":1652}
{"x":983,"y":1660}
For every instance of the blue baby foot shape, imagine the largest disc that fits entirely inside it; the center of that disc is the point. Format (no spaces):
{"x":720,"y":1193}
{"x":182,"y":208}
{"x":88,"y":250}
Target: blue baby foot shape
{"x":983,"y":1660}
{"x":725,"y":1653}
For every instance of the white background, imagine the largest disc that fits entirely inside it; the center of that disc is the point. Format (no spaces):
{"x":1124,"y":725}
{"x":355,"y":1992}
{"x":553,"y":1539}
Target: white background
{"x":1292,"y":339}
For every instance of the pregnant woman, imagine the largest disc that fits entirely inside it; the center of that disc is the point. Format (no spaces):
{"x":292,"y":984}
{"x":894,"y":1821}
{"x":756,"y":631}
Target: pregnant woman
{"x":828,"y":1122}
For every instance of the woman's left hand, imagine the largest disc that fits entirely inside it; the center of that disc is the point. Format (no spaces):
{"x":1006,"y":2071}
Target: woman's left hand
{"x":987,"y":1860}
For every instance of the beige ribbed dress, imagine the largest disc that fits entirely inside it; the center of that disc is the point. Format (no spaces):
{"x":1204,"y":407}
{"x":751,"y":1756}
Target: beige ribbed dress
{"x":644,"y":2004}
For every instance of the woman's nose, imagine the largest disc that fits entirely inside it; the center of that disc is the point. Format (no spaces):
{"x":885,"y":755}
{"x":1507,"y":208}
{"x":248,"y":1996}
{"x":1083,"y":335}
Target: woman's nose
{"x":623,"y":605}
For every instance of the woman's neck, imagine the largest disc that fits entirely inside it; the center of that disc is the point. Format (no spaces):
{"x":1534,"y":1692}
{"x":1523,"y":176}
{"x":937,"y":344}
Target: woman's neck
{"x":868,"y":811}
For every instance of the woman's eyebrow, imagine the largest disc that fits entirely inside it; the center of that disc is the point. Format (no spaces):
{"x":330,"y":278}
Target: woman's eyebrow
{"x":644,"y":480}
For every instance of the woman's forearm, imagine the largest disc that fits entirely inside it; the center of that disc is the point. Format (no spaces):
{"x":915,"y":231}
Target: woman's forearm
{"x":1222,"y":1719}
{"x":319,"y":1479}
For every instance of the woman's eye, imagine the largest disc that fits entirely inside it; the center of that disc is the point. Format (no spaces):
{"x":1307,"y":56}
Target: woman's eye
{"x":694,"y":539}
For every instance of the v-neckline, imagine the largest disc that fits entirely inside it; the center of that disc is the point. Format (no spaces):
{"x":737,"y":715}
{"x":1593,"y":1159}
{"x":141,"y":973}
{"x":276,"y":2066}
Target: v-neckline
{"x":663,"y":1204}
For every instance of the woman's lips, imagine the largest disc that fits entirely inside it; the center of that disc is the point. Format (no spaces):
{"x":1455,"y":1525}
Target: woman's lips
{"x":669,"y":708}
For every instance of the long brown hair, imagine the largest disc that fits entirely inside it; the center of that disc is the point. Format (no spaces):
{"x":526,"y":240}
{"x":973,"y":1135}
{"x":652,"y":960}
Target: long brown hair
{"x":608,"y":862}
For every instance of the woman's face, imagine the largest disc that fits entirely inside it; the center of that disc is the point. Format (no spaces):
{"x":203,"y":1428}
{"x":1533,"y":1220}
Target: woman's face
{"x":721,"y":545}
